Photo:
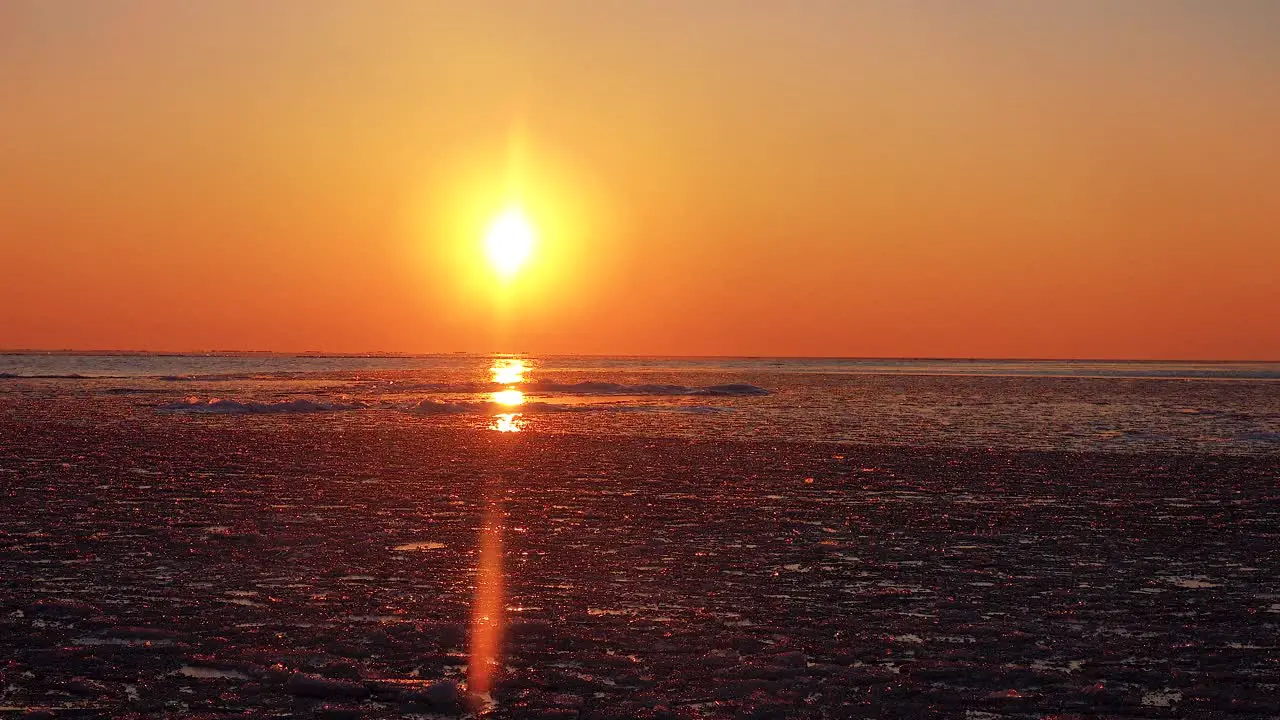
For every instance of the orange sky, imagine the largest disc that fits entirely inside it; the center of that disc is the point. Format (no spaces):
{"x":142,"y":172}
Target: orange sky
{"x":997,"y":178}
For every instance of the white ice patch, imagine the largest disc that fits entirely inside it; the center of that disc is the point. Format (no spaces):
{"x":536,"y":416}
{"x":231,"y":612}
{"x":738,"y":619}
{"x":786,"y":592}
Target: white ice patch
{"x":1161,"y":698}
{"x":441,"y":407}
{"x":1194,"y":582}
{"x":417,"y":546}
{"x":208,"y":673}
{"x":237,"y":407}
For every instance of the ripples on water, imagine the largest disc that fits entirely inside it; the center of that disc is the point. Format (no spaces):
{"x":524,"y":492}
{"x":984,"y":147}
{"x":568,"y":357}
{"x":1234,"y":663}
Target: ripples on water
{"x":1225,"y":407}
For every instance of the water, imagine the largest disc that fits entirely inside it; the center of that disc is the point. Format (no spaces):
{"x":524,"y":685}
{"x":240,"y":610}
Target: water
{"x":1077,"y":405}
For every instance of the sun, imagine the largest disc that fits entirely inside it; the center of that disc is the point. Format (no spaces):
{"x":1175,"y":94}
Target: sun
{"x":509,"y":241}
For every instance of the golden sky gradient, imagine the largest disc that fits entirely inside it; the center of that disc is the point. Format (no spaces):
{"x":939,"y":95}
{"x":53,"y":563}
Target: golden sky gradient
{"x":997,"y":178}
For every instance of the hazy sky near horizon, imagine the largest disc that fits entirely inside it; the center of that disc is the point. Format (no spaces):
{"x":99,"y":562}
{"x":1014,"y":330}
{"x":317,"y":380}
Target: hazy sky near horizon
{"x":1011,"y":178}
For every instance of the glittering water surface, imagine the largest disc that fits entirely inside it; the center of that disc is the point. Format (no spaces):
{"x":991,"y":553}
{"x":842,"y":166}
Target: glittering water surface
{"x":1088,"y":405}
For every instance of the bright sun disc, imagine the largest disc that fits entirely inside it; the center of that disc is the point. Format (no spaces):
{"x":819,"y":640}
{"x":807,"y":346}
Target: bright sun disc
{"x":509,"y":242}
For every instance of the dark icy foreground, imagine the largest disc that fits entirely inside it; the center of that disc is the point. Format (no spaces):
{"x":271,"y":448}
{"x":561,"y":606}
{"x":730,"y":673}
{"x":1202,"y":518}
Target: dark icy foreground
{"x":155,"y":565}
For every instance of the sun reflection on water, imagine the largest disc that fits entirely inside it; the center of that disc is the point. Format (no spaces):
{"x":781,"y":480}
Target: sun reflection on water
{"x":510,"y":396}
{"x":508,"y":371}
{"x":507,"y":422}
{"x":487,"y":613}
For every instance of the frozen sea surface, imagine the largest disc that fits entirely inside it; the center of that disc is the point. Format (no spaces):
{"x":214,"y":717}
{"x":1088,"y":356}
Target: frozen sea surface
{"x":304,"y":564}
{"x":1229,"y":408}
{"x":647,"y":538}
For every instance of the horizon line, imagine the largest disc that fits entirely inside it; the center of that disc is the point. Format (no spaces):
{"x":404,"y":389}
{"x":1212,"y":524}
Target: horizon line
{"x":397,"y":354}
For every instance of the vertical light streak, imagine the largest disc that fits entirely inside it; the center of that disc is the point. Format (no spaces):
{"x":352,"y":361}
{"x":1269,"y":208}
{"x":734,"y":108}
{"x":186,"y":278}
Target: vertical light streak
{"x":487,"y":614}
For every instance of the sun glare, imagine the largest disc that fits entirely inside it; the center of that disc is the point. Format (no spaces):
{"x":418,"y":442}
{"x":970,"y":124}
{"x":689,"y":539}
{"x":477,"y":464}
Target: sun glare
{"x":507,"y":422}
{"x":508,"y":372}
{"x":509,"y":241}
{"x":510,"y":396}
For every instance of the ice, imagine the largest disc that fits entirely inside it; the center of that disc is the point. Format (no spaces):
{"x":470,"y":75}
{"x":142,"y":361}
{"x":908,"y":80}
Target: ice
{"x":597,"y":387}
{"x":210,"y":673}
{"x":1161,"y":698}
{"x":236,"y":407}
{"x":1191,"y":583}
{"x":420,"y":545}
